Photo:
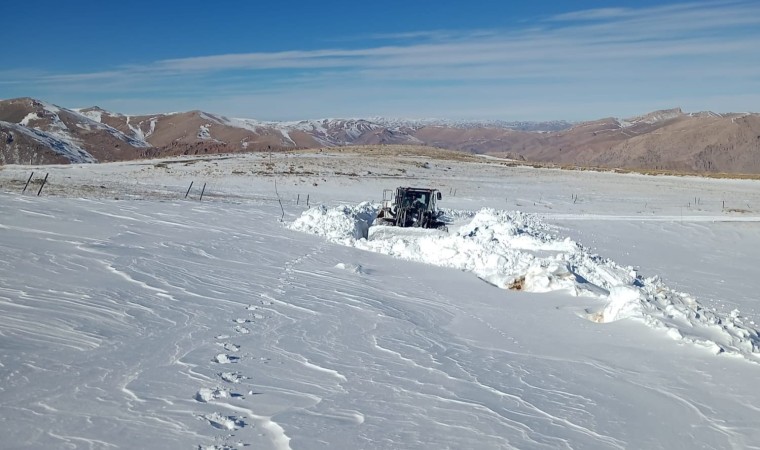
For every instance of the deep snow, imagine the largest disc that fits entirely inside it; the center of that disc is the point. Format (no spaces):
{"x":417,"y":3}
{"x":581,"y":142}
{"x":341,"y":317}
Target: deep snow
{"x":518,"y":251}
{"x":155,"y":321}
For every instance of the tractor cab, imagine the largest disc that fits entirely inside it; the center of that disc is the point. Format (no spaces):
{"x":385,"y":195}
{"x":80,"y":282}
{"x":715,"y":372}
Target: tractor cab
{"x":411,"y":207}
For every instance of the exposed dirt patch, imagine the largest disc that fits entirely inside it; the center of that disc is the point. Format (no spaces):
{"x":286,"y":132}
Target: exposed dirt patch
{"x":518,"y":284}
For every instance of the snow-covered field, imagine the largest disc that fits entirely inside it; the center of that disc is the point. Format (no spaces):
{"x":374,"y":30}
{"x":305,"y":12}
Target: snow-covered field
{"x":132,"y":316}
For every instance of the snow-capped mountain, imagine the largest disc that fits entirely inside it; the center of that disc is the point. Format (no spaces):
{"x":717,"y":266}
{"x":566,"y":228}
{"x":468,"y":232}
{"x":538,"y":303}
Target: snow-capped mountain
{"x":554,"y":125}
{"x":39,"y":132}
{"x":33,"y":131}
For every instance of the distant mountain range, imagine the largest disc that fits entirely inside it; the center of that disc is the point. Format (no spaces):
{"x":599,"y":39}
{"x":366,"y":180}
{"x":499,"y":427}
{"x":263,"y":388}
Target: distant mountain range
{"x":37,"y":132}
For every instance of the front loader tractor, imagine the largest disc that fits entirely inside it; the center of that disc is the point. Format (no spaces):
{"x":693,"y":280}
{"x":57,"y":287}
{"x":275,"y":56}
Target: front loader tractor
{"x":411,"y":207}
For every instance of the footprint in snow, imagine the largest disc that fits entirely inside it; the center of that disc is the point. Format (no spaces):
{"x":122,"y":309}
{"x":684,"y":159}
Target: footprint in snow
{"x":223,"y":336}
{"x":229,"y":346}
{"x":242,"y":330}
{"x":223,"y":422}
{"x":223,"y":358}
{"x":241,"y":321}
{"x":232,"y":377}
{"x":205,"y":395}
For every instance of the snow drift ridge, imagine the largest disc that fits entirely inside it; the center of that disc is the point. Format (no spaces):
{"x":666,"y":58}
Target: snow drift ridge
{"x":514,"y":250}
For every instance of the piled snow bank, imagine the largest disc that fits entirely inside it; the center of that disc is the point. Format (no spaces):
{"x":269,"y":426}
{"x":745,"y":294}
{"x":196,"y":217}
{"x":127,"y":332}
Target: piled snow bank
{"x":343,"y":224}
{"x":514,"y":250}
{"x":623,"y":302}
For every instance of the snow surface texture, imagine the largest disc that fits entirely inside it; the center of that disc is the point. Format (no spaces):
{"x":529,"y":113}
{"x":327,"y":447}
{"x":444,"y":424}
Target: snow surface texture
{"x":512,"y":250}
{"x":134,"y":317}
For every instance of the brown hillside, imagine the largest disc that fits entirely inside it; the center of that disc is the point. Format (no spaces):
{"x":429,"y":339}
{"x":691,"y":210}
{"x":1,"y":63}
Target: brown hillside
{"x":77,"y":133}
{"x":661,"y":140}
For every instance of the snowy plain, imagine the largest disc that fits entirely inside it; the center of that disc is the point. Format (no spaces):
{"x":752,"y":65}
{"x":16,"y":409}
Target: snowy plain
{"x":134,"y":315}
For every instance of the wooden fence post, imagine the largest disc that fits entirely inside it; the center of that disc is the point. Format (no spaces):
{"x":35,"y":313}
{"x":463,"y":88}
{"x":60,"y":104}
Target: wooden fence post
{"x":27,"y":182}
{"x":202,"y":191}
{"x":43,"y":184}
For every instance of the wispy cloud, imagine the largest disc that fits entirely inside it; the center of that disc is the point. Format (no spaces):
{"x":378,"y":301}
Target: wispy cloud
{"x":594,"y":14}
{"x":683,"y":47}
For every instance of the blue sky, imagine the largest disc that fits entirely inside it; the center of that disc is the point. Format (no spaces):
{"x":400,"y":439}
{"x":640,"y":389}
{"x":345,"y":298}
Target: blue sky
{"x":539,"y":60}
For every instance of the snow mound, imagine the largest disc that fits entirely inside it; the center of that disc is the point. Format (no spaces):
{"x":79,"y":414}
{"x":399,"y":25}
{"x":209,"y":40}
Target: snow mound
{"x":623,"y":302}
{"x":518,"y":251}
{"x":343,"y":224}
